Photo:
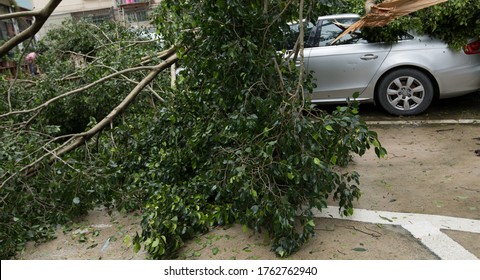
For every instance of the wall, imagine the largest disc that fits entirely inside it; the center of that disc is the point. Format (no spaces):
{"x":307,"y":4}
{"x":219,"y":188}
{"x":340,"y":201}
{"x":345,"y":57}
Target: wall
{"x":25,"y":4}
{"x":68,"y":6}
{"x":65,"y":8}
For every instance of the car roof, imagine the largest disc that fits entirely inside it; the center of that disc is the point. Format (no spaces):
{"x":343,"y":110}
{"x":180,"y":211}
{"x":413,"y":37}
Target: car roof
{"x":339,"y":16}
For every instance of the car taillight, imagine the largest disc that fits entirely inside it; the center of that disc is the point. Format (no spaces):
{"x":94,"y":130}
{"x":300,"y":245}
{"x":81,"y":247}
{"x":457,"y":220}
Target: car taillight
{"x":472,"y":48}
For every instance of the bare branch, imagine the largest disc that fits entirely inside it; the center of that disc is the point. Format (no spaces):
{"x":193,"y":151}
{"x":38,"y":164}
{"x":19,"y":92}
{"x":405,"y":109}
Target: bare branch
{"x":20,"y":14}
{"x":135,"y":82}
{"x":163,"y":55}
{"x":77,"y":90}
{"x":80,"y":139}
{"x":302,"y":59}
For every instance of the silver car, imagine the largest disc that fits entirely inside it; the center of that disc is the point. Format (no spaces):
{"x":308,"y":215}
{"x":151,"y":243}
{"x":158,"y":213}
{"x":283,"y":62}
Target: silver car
{"x":404,"y":77}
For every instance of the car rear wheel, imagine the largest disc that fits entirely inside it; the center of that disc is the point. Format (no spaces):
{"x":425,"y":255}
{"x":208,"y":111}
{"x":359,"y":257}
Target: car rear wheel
{"x":405,"y":92}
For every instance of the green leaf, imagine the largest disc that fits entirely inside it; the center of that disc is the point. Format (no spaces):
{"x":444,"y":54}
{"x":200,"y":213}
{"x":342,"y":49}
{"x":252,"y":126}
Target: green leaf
{"x":155,"y":243}
{"x":311,"y":223}
{"x":359,"y":249}
{"x":215,"y":251}
{"x":254,"y":193}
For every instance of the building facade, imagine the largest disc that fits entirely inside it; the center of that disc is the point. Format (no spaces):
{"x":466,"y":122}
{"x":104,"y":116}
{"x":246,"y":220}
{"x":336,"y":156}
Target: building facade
{"x":11,"y":27}
{"x":133,"y":12}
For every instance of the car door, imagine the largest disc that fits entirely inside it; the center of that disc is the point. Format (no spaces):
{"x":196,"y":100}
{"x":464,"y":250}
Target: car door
{"x":342,"y":69}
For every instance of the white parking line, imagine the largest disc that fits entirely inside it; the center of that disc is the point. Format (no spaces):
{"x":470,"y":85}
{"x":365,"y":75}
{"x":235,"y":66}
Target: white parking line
{"x":438,"y":242}
{"x":421,"y":122}
{"x":426,"y":228}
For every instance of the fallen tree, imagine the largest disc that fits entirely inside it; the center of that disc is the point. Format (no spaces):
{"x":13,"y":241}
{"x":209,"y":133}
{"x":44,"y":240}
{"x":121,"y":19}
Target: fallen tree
{"x":231,"y":142}
{"x":234,"y":141}
{"x":44,"y":118}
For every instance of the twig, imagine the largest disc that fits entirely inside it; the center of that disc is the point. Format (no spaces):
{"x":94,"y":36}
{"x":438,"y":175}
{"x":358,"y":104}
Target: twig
{"x":277,"y":67}
{"x":154,"y":93}
{"x":472,"y":190}
{"x":376,"y":234}
{"x":64,"y":162}
{"x":80,"y":139}
{"x":443,"y":130}
{"x":12,"y":84}
{"x":111,"y":135}
{"x":374,"y":231}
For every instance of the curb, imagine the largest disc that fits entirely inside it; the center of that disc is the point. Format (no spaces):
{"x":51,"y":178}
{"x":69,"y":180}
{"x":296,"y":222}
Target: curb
{"x":423,"y":122}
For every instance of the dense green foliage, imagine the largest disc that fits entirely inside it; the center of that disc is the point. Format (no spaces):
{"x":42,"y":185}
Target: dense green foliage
{"x":31,"y":208}
{"x":455,"y":21}
{"x":238,"y":143}
{"x":233,"y":142}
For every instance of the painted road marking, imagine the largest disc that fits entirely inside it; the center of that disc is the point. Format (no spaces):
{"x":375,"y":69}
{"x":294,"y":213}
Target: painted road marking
{"x":437,"y":241}
{"x":426,"y":228}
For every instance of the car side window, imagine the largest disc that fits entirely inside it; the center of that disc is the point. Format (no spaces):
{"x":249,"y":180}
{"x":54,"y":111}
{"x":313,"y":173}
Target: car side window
{"x":328,"y":30}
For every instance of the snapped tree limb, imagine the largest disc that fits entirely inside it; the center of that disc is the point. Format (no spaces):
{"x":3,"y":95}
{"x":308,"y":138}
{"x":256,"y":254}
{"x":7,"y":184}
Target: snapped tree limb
{"x":80,"y":139}
{"x":386,"y":12}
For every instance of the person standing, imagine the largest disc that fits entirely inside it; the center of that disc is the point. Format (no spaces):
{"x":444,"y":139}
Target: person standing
{"x":32,"y":67}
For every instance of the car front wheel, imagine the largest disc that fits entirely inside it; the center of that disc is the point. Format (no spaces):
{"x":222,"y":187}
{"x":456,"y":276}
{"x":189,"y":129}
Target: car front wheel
{"x":405,"y":92}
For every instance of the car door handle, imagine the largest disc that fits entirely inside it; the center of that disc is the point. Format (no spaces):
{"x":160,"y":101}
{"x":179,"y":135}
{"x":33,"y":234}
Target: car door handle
{"x":369,"y":57}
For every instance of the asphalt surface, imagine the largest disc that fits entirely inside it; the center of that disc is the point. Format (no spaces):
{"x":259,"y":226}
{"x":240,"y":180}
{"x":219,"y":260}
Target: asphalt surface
{"x":463,"y":107}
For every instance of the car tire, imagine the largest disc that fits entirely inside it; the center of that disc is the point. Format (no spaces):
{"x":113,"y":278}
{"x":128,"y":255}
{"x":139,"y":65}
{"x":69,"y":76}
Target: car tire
{"x":405,"y":92}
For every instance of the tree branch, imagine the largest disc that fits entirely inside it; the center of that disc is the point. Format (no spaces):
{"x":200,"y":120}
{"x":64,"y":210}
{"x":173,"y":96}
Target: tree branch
{"x":44,"y":105}
{"x":80,"y":139}
{"x":20,"y":14}
{"x":40,"y":19}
